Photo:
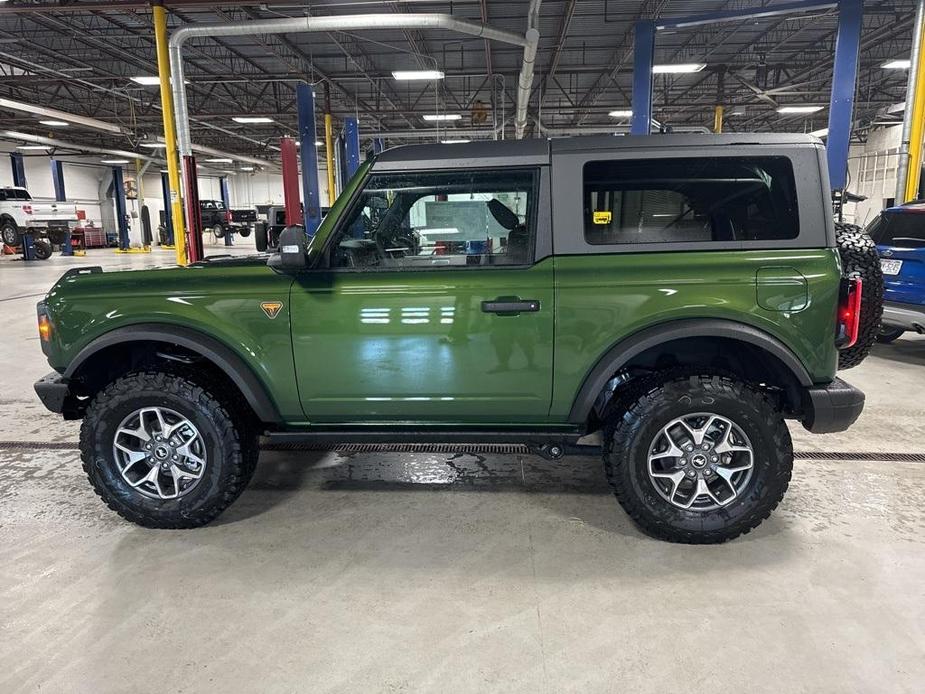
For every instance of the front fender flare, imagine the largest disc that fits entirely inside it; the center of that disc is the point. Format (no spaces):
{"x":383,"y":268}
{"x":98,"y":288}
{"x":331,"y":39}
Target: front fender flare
{"x":208,"y":347}
{"x":624,"y":350}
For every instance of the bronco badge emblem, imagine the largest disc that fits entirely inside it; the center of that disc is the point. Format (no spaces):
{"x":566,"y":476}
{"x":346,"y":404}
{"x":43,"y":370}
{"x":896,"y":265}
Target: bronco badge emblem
{"x":271,"y":308}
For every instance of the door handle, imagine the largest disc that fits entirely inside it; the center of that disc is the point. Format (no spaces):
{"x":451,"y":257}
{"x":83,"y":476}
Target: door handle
{"x":510,"y":306}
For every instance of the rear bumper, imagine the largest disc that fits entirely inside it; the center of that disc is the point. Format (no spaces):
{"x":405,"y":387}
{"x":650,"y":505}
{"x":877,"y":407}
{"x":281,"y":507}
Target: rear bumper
{"x":833,"y":407}
{"x":905,"y":316}
{"x":55,"y":393}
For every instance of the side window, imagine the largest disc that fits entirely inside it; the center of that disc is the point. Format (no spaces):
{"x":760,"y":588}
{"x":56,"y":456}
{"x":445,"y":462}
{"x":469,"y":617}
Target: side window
{"x":712,"y":199}
{"x":902,"y":230}
{"x":425,"y":220}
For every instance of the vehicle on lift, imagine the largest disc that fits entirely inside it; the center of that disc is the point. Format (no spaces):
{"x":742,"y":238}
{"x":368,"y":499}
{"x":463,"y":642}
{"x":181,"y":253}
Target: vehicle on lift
{"x":266,"y":235}
{"x":899,"y":233}
{"x":215,"y":217}
{"x":243,"y":220}
{"x":20,"y":214}
{"x":682,"y":298}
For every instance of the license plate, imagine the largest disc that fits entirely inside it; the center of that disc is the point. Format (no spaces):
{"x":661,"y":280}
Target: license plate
{"x":891,"y":267}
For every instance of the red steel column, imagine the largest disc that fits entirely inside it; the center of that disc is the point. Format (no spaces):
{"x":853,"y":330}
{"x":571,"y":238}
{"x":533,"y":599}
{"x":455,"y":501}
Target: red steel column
{"x":290,"y":181}
{"x":194,"y":252}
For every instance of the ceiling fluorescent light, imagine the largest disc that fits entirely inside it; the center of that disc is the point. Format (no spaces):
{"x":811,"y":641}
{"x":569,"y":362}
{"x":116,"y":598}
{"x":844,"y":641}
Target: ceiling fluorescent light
{"x":679,"y":68}
{"x":897,"y":65}
{"x":319,"y":143}
{"x":220,"y":160}
{"x":54,"y":114}
{"x":252,"y":119}
{"x":441,"y":116}
{"x":417,"y":74}
{"x":799,"y":109}
{"x":621,"y":113}
{"x":822,"y":132}
{"x":146,"y":80}
{"x":35,"y":147}
{"x":247,"y":168}
{"x":113,"y":161}
{"x":454,"y":142}
{"x":153,"y":145}
{"x":54,"y":123}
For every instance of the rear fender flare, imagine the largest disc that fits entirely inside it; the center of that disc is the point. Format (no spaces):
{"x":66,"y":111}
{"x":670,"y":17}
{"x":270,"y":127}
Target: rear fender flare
{"x":624,"y":350}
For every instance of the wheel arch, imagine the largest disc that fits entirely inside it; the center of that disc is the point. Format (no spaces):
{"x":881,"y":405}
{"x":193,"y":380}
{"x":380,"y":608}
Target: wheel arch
{"x":218,"y":354}
{"x":622,"y":354}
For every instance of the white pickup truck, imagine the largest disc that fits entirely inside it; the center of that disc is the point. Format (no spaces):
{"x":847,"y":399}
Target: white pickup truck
{"x":19,"y":214}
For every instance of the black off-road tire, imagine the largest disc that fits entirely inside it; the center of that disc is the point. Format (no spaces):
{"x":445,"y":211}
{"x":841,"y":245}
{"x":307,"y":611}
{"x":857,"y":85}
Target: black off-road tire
{"x":9,"y":233}
{"x":244,"y":231}
{"x":43,"y":249}
{"x":218,"y":231}
{"x":632,"y":429}
{"x":231,"y":449}
{"x":859,"y":258}
{"x":260,"y":237}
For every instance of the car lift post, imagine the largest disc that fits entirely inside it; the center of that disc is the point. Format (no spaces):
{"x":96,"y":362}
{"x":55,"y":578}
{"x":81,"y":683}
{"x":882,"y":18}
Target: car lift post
{"x":643,"y":59}
{"x":172,"y":199}
{"x":844,"y":86}
{"x":311,"y":200}
{"x":290,"y":181}
{"x":352,"y":147}
{"x":118,"y":190}
{"x":57,"y":177}
{"x":909,"y":171}
{"x":329,"y":145}
{"x":168,"y":211}
{"x":19,"y":179}
{"x":226,"y":200}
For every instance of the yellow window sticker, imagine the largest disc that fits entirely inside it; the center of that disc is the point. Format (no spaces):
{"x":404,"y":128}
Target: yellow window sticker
{"x":603,"y":217}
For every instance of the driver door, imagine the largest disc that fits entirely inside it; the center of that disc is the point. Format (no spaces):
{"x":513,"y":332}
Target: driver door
{"x":430,"y":307}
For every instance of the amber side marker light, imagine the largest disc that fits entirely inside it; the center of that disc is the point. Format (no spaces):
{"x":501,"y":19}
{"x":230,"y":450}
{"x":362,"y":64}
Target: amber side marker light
{"x":44,"y":328}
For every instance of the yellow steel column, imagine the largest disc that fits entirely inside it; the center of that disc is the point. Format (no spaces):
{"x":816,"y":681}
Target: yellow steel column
{"x":718,"y":119}
{"x":914,"y":172}
{"x":170,"y":134}
{"x":329,"y":144}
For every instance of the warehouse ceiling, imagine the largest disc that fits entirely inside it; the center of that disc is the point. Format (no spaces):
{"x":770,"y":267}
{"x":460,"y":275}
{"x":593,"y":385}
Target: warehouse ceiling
{"x":79,"y":57}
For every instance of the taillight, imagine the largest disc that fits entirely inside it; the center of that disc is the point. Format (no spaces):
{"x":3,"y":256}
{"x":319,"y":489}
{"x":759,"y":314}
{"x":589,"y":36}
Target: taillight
{"x":228,"y":216}
{"x":27,"y":209}
{"x":849,"y":313}
{"x":44,"y":328}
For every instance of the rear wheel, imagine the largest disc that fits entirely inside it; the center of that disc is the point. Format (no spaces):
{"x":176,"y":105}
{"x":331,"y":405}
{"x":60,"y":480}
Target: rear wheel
{"x":165,"y":452}
{"x":260,"y":237}
{"x":218,"y":231}
{"x":888,"y":334}
{"x":42,"y":248}
{"x":9,"y":233}
{"x":859,"y":258}
{"x":698,"y":459}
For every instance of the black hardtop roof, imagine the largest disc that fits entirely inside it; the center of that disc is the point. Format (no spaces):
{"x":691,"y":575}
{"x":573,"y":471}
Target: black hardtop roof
{"x":518,"y":151}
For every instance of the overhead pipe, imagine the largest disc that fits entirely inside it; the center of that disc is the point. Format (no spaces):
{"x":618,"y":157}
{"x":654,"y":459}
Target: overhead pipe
{"x":343,"y":23}
{"x":909,"y":171}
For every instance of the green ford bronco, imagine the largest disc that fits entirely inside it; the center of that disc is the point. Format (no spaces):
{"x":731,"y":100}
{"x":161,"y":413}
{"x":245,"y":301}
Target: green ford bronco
{"x":681,"y":295}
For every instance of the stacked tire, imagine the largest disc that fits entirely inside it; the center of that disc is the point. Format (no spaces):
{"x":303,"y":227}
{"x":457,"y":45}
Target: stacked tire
{"x":860,"y":259}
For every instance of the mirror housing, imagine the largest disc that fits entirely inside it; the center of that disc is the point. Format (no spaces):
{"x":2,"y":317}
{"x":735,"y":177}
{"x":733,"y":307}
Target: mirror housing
{"x":293,"y":249}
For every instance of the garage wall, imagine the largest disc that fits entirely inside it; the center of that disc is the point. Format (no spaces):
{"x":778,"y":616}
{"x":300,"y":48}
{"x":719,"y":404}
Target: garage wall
{"x":872,"y":173}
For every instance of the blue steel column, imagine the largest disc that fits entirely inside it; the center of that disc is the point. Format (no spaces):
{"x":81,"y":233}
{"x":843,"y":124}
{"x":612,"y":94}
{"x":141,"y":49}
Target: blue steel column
{"x":844,"y":87}
{"x":118,"y":191}
{"x":226,"y":200}
{"x":168,"y":212}
{"x":311,"y":197}
{"x":352,"y":146}
{"x":643,"y":59}
{"x":19,"y":171}
{"x":57,"y":179}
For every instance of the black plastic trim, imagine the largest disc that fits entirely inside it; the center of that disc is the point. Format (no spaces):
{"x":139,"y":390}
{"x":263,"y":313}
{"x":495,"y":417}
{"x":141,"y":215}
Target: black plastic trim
{"x":415,"y":434}
{"x":626,"y":349}
{"x":53,"y":390}
{"x":832,"y":408}
{"x":218,"y":353}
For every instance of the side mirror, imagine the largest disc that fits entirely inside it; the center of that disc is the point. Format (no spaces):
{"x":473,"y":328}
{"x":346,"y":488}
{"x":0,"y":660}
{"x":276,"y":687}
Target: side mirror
{"x":293,"y":249}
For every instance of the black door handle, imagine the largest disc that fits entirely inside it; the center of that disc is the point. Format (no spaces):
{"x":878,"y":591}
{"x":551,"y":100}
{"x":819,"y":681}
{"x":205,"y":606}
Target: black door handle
{"x":510,"y":306}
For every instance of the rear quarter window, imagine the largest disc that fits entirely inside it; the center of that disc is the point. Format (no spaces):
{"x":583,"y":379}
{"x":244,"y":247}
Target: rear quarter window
{"x":683,"y":200}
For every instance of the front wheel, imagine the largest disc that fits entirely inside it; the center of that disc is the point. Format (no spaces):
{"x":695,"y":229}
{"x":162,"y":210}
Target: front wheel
{"x":218,"y":231}
{"x":699,"y":459}
{"x":9,"y":233}
{"x":165,"y":452}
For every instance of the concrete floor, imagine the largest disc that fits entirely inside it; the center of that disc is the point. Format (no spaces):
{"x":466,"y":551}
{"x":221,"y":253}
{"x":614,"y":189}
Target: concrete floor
{"x":425,"y":572}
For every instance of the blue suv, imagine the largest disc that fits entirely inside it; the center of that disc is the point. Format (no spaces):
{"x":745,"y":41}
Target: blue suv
{"x":899,"y":233}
